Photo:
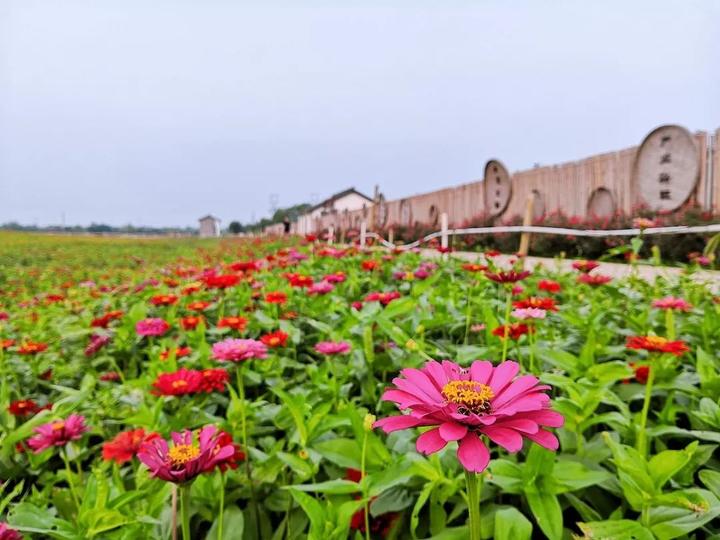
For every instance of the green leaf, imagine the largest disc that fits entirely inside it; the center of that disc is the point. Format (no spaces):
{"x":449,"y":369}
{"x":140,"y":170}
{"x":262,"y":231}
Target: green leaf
{"x":296,"y":406}
{"x":233,"y":525}
{"x":711,"y":479}
{"x":666,"y":464}
{"x":510,"y":524}
{"x":421,"y":500}
{"x":621,"y":529}
{"x":668,"y":522}
{"x":571,"y":475}
{"x":546,"y":509}
{"x":314,"y":512}
{"x":335,"y":487}
{"x":342,"y":452}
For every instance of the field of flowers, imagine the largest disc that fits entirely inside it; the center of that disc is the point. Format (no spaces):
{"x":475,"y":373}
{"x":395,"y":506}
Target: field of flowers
{"x":267,"y":389}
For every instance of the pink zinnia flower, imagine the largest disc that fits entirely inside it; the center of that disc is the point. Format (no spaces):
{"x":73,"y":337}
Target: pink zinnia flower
{"x":321,"y":287}
{"x":670,"y":302}
{"x":186,"y":458}
{"x":6,"y":533}
{"x":97,"y":342}
{"x":337,"y":277}
{"x":58,"y":433}
{"x":465,"y":404}
{"x":529,"y":313}
{"x":151,"y":327}
{"x":235,"y":350}
{"x":333,"y":347}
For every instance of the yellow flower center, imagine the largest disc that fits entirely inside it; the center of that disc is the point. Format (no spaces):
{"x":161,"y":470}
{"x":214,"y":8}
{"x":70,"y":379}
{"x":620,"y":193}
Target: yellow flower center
{"x":274,"y":341}
{"x":657,"y":341}
{"x":182,"y":453}
{"x":470,"y":396}
{"x":179,"y":384}
{"x":57,"y":426}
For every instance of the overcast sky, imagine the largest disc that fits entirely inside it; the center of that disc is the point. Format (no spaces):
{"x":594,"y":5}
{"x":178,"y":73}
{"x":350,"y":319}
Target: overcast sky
{"x":157,"y":112}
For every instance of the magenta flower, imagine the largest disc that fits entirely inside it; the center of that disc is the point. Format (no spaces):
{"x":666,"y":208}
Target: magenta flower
{"x":466,"y":404}
{"x":151,"y":327}
{"x":6,"y":533}
{"x":235,"y":350}
{"x":529,"y":313}
{"x":97,"y":342}
{"x":670,"y":302}
{"x":330,"y":348}
{"x":58,"y":433}
{"x":186,"y":458}
{"x":321,"y":287}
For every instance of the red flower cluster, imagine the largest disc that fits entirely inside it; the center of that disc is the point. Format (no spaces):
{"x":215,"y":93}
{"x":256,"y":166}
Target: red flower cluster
{"x":163,"y":300}
{"x":594,"y":280}
{"x":221,"y":281}
{"x":126,"y":445}
{"x":198,"y":306}
{"x":370,"y":265}
{"x":657,"y":344}
{"x":105,"y":320}
{"x":549,"y":286}
{"x":299,"y":280}
{"x":383,"y":297}
{"x":276,"y":297}
{"x":32,"y":347}
{"x":536,"y":302}
{"x":275,"y":339}
{"x":511,"y":276}
{"x":514,"y":330}
{"x":191,"y":381}
{"x":234,"y":322}
{"x":26,"y":407}
{"x":191,"y":323}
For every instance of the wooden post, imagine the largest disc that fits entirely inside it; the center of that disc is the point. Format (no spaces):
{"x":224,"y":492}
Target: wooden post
{"x":331,"y":234}
{"x":527,"y":221}
{"x":391,"y":235}
{"x":444,"y":230}
{"x":342,"y":235}
{"x":363,"y":231}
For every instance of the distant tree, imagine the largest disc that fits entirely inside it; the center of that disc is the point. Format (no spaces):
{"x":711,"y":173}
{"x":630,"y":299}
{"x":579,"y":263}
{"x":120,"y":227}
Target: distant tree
{"x":235,"y":227}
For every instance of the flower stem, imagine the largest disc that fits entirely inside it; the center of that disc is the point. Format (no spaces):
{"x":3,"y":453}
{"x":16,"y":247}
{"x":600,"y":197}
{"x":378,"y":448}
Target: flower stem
{"x":362,"y":478}
{"x":69,"y":474}
{"x":185,"y":512}
{"x":173,"y":506}
{"x":506,"y":322}
{"x":670,"y":324}
{"x":473,"y":500}
{"x":222,"y":505}
{"x":642,"y":435}
{"x":467,"y":314}
{"x":246,"y":448}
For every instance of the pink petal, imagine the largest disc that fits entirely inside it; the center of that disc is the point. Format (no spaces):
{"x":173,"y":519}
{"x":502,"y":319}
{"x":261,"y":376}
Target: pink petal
{"x":430,"y":442}
{"x":546,"y":417}
{"x":452,"y":370}
{"x":422,"y":381}
{"x":509,"y":439}
{"x":544,"y":439}
{"x":472,"y":453}
{"x":436,"y":373}
{"x":516,"y":388}
{"x":396,"y":423}
{"x":403,"y":399}
{"x":480,"y":371}
{"x":406,"y":385}
{"x":519,"y":424}
{"x":502,"y":375}
{"x":452,"y":431}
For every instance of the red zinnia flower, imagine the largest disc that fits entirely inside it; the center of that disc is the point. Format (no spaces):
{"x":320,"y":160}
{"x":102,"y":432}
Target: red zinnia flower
{"x":231,"y":462}
{"x":594,"y":280}
{"x":110,"y":376}
{"x":534,"y":302}
{"x":163,"y":300}
{"x":24,"y":407}
{"x":104,"y":321}
{"x":511,"y":276}
{"x":276,"y":297}
{"x":5,"y":343}
{"x":191,"y":323}
{"x":126,"y":445}
{"x":213,"y":380}
{"x":234,"y":322}
{"x":470,"y":267}
{"x":180,"y":352}
{"x":514,"y":330}
{"x":221,"y":281}
{"x":383,"y":297}
{"x":370,"y":265}
{"x":198,"y":306}
{"x":181,"y":382}
{"x":190,"y":289}
{"x":657,"y":344}
{"x":275,"y":339}
{"x":585,"y":266}
{"x":245,"y":266}
{"x":31,"y":347}
{"x":549,"y":286}
{"x":299,"y":280}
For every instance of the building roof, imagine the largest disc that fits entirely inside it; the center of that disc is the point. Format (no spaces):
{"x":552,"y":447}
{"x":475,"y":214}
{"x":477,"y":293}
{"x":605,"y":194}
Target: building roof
{"x":209,"y":216}
{"x":340,"y":195}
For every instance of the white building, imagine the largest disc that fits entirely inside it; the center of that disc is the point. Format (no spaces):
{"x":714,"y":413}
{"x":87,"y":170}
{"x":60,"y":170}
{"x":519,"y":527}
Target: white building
{"x":330,"y":210}
{"x":209,"y":226}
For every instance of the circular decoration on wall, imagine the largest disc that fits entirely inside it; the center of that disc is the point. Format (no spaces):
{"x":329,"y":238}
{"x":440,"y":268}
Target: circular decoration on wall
{"x":497,"y":188}
{"x":601,"y":203}
{"x":667,"y":168}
